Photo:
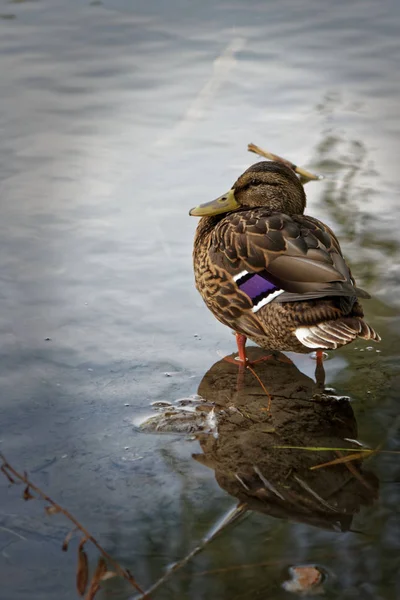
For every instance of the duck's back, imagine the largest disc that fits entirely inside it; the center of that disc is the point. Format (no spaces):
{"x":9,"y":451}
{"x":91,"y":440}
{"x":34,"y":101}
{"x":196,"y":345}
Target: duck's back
{"x":279,"y":279}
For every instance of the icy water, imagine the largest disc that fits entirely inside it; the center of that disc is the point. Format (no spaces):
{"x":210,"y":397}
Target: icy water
{"x":115,"y":119}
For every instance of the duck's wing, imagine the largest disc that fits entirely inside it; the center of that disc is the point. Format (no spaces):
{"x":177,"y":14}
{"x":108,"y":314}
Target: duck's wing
{"x":278,"y":258}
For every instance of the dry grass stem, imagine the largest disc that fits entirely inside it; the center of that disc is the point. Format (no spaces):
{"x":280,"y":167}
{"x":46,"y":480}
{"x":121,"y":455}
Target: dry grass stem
{"x":304,"y":174}
{"x":52,"y":508}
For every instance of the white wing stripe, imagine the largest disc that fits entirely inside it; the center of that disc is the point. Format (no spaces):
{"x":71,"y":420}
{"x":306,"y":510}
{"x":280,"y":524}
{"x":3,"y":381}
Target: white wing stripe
{"x":239,"y":275}
{"x":266,"y":300}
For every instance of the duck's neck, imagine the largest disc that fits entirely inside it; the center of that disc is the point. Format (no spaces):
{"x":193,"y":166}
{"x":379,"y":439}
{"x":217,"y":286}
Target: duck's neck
{"x":204,"y":230}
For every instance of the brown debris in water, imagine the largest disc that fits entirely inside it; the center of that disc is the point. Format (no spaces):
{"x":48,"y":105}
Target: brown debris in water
{"x":305,"y":579}
{"x":82,"y":572}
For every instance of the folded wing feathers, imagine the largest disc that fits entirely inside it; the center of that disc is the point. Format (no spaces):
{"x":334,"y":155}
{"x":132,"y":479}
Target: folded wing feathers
{"x":331,"y":334}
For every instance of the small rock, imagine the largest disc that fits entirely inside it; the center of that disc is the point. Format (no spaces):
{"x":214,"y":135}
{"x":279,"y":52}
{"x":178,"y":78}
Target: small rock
{"x":305,"y":579}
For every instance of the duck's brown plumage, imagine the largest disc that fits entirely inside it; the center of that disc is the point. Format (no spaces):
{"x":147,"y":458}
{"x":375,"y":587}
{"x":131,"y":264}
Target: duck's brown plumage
{"x":268,"y":236}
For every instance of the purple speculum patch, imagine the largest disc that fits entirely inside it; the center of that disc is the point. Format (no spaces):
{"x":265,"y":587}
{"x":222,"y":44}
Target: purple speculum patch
{"x":255,"y":286}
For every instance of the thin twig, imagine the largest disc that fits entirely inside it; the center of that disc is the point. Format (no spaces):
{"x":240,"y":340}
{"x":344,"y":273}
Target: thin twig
{"x":344,"y":459}
{"x":262,"y":385}
{"x":313,"y":493}
{"x":329,"y":449}
{"x":356,"y":473}
{"x":232,"y":517}
{"x":24,"y":478}
{"x":304,"y":174}
{"x":267,"y":483}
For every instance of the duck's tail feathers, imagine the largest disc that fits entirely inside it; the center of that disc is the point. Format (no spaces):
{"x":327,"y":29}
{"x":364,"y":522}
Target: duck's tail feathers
{"x":330,"y":335}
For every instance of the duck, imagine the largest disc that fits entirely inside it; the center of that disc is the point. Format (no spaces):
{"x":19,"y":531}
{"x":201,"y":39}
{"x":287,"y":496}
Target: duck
{"x":273,"y":274}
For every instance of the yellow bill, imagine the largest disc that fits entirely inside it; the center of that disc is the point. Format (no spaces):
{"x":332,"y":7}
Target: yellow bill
{"x":225,"y":203}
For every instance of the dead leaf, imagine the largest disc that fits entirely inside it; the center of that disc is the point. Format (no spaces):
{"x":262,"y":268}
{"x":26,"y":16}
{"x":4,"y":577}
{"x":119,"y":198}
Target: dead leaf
{"x":82,"y":574}
{"x":100,"y":571}
{"x":52,"y":509}
{"x":94,"y":588}
{"x":27,"y":494}
{"x":108,"y":575}
{"x":67,"y":540}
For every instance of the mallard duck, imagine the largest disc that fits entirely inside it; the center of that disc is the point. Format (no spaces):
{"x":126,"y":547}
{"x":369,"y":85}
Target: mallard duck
{"x":271,"y":273}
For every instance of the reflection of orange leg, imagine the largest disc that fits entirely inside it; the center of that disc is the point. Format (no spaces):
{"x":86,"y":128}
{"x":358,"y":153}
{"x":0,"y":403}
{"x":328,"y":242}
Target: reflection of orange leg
{"x":266,"y":357}
{"x":240,"y":377}
{"x":262,"y":387}
{"x":244,"y":363}
{"x":319,"y":369}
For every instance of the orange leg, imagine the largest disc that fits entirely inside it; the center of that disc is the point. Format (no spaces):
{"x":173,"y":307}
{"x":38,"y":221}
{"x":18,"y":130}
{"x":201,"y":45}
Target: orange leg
{"x":241,"y":344}
{"x":240,"y":376}
{"x":242,"y":359}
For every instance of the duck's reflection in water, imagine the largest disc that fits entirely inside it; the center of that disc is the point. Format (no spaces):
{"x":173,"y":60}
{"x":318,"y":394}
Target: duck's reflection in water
{"x":242,"y":436}
{"x":249,"y":461}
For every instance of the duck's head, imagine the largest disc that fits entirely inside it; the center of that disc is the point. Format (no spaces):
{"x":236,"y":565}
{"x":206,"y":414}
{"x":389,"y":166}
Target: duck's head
{"x":266,"y":183}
